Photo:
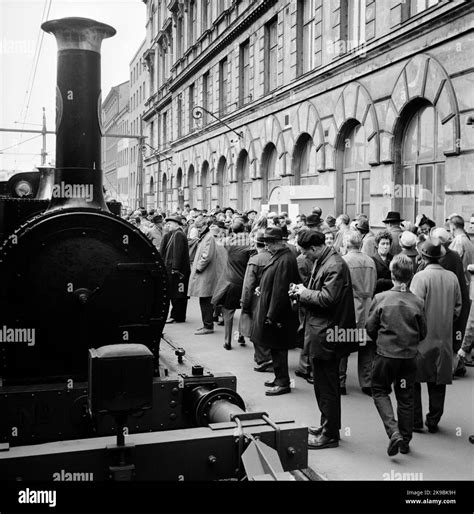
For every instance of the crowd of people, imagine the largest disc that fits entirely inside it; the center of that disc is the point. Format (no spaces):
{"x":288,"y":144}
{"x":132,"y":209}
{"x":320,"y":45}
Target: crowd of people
{"x":401,"y":298}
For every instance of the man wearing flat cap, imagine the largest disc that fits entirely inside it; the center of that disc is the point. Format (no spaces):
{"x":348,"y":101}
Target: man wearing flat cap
{"x":275,"y":322}
{"x":440,"y":292}
{"x":175,"y":253}
{"x":329,"y":307}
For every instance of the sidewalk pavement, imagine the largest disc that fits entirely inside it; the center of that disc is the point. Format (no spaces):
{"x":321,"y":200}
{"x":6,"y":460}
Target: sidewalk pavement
{"x":362,"y":453}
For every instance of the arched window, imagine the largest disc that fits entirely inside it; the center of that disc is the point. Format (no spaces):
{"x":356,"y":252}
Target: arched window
{"x":164,"y":192}
{"x":222,"y":188}
{"x":206,"y":193}
{"x":179,"y":186}
{"x":301,"y":159}
{"x":244,"y":182}
{"x":355,"y":173}
{"x":422,"y":168}
{"x":269,"y":171}
{"x":191,"y":186}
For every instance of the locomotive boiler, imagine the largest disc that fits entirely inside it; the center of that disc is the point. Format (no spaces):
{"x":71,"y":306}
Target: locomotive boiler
{"x":86,"y":380}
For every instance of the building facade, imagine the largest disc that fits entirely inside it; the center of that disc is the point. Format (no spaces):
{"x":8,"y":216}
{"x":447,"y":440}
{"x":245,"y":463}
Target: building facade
{"x":139,"y":182}
{"x":116,"y":151}
{"x":356,"y":106}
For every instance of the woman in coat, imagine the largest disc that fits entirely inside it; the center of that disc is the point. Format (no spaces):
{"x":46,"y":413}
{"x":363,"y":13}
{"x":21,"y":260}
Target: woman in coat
{"x":275,"y":323}
{"x":382,"y":258}
{"x":203,"y":279}
{"x":229,"y":287}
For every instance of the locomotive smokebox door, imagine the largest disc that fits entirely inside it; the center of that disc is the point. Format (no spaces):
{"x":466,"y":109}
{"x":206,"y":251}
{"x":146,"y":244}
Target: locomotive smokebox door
{"x":120,"y":379}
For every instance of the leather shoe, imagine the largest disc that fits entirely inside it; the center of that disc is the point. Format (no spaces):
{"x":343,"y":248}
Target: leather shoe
{"x":171,"y":320}
{"x":227,"y":346}
{"x":418,"y":429}
{"x":269,"y":383}
{"x":343,"y":390}
{"x":277,"y":390}
{"x":394,"y":445}
{"x":321,"y":442}
{"x":241,"y":340}
{"x":432,"y":429}
{"x":306,"y":376}
{"x":404,"y":447}
{"x":264,"y":366}
{"x":367,"y":391}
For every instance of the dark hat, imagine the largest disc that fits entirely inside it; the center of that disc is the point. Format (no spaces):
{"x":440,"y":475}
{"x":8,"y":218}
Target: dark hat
{"x":363,"y":225}
{"x":177,"y":219}
{"x":313,"y":220}
{"x":273,"y":234}
{"x":330,"y":220}
{"x":229,"y":209}
{"x":393,"y":217}
{"x":251,"y":210}
{"x":426,"y":221}
{"x":433,"y":250}
{"x":157,"y":218}
{"x":309,"y":238}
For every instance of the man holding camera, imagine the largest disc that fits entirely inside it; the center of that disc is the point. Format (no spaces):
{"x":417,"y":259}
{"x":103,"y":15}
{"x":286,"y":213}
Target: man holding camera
{"x":329,"y":307}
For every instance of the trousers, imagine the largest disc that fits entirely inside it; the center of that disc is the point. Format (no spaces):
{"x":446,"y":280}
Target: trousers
{"x":436,"y":394}
{"x":328,"y":397}
{"x":401,"y":374}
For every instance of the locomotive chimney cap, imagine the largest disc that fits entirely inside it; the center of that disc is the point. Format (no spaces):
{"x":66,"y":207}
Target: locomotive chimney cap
{"x":78,"y":33}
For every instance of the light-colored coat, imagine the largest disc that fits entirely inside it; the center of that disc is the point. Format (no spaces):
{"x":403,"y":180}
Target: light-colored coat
{"x":440,"y":292}
{"x":204,"y":276}
{"x":364,"y":280}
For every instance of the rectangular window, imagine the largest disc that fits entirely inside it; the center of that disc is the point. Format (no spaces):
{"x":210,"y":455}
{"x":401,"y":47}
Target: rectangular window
{"x":271,"y":55}
{"x":191,"y":22}
{"x":179,"y":116}
{"x":165,"y":127}
{"x":205,"y":96}
{"x":205,"y":12}
{"x":179,"y":37}
{"x":223,"y":82}
{"x":417,"y":6}
{"x":191,"y":107}
{"x":305,"y":35}
{"x":244,"y":73}
{"x":152,"y":135}
{"x":355,"y":24}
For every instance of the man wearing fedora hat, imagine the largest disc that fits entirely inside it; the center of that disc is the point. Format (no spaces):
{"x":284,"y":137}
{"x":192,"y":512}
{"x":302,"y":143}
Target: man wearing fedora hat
{"x":392,"y":222}
{"x":440,"y":292}
{"x":275,"y":323}
{"x":248,"y":301}
{"x":175,"y":253}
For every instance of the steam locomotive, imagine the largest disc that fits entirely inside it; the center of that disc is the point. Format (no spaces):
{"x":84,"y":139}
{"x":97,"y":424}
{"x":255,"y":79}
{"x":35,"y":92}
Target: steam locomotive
{"x":86,"y":380}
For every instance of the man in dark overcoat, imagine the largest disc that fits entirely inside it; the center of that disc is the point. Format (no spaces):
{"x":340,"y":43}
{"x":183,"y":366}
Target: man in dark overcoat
{"x":329,"y":315}
{"x":175,"y":253}
{"x":275,"y":322}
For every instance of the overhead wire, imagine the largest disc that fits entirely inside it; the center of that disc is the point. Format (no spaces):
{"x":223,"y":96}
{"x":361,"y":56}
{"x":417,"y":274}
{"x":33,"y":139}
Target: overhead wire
{"x":36,"y":60}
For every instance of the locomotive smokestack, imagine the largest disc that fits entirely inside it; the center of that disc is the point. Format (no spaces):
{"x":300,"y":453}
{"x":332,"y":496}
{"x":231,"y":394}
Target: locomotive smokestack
{"x":78,"y":175}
